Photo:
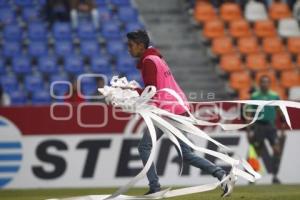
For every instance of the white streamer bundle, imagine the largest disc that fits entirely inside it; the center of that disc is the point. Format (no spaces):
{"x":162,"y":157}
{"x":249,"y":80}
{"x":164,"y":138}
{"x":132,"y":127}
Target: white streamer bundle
{"x":120,"y":94}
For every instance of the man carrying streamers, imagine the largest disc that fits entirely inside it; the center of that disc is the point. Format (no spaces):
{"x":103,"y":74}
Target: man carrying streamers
{"x":264,"y":127}
{"x":155,"y":72}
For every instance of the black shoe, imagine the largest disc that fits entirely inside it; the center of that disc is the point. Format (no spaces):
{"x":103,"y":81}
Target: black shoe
{"x":276,"y":180}
{"x":152,"y":191}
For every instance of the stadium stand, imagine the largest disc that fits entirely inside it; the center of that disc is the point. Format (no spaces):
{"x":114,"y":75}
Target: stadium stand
{"x":204,"y":12}
{"x":279,"y":10}
{"x":34,"y":53}
{"x":257,"y":62}
{"x":255,"y":11}
{"x":213,"y":29}
{"x":230,"y":12}
{"x":222,"y":45}
{"x":288,"y":27}
{"x":271,"y":45}
{"x":248,"y":44}
{"x":251,"y":42}
{"x":231,"y":63}
{"x":239,"y":28}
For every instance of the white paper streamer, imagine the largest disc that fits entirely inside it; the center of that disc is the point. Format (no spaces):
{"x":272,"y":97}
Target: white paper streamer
{"x":120,"y":94}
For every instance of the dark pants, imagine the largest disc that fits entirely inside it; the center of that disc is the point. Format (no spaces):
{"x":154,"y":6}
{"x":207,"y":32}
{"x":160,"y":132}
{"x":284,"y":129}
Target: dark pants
{"x":188,"y":157}
{"x":262,"y":131}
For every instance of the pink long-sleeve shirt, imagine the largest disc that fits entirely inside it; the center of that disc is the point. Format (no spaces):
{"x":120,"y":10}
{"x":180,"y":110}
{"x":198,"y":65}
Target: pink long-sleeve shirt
{"x":155,"y":71}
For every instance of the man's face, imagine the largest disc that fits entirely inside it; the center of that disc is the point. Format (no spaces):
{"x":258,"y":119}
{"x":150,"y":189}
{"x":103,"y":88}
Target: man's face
{"x":135,"y":49}
{"x":264,"y":83}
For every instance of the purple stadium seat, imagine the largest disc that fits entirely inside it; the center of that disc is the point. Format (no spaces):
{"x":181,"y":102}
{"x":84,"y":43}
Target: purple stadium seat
{"x":38,"y":48}
{"x":128,"y":14}
{"x":3,"y":3}
{"x":2,"y":66}
{"x":12,"y":32}
{"x":9,"y":83}
{"x":62,"y":31}
{"x":111,"y":30}
{"x":88,"y":86}
{"x":101,"y":2}
{"x":42,"y":2}
{"x":101,"y":65}
{"x":47,"y":64}
{"x":59,"y":77}
{"x":24,"y":3}
{"x":21,"y":64}
{"x":64,"y":47}
{"x":125,"y":64}
{"x":74,"y":64}
{"x":41,"y":98}
{"x":34,"y":83}
{"x":132,"y":26}
{"x":7,"y":15}
{"x":30,"y":14}
{"x":37,"y":32}
{"x":11,"y":48}
{"x":105,"y":13}
{"x":86,"y":31}
{"x":115,"y":47}
{"x":59,"y":89}
{"x":89,"y":48}
{"x":121,"y":2}
{"x":18,"y":97}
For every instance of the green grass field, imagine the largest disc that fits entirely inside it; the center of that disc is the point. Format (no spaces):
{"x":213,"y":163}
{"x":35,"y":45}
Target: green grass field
{"x":273,"y":192}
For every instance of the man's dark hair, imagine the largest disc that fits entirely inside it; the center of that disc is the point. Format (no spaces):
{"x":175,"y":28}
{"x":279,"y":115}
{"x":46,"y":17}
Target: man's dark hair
{"x":264,"y":77}
{"x":139,"y":36}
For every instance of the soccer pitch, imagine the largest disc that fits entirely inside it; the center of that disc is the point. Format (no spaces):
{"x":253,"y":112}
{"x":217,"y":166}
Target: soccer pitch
{"x":252,"y":192}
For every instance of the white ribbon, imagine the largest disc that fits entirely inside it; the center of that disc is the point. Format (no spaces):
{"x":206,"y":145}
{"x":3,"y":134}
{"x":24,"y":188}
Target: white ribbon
{"x":149,"y":162}
{"x":120,"y":96}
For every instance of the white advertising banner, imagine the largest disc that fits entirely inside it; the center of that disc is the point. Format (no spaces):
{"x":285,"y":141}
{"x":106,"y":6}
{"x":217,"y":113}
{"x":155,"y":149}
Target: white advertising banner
{"x":290,"y":163}
{"x":111,"y":160}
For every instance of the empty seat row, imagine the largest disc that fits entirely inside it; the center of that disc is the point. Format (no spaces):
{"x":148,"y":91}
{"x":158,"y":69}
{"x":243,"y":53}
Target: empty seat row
{"x":62,"y":31}
{"x":230,"y":11}
{"x":64,"y":48}
{"x":247,"y":45}
{"x":254,"y":43}
{"x":241,"y":28}
{"x":33,"y":54}
{"x":73,"y":64}
{"x":242,"y":82}
{"x":258,"y":62}
{"x":125,"y":13}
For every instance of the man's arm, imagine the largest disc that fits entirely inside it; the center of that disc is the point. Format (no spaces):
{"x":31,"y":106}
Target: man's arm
{"x":149,"y":74}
